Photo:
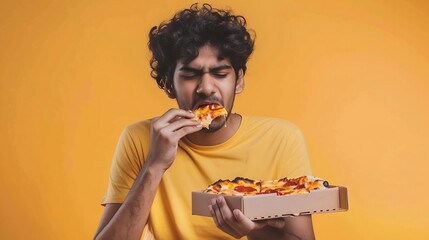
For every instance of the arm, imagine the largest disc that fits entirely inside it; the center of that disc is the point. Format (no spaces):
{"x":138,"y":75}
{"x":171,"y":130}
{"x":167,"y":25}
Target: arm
{"x":237,"y":225}
{"x":127,"y":220}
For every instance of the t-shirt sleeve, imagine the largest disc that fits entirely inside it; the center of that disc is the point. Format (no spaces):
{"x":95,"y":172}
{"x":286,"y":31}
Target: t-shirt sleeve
{"x":126,"y":164}
{"x":297,"y":162}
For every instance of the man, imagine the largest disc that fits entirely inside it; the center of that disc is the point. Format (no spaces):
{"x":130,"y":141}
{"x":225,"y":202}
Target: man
{"x":199,"y":58}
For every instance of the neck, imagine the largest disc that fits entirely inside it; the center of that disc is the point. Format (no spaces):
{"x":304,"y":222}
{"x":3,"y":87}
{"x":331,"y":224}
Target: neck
{"x":220,"y":136}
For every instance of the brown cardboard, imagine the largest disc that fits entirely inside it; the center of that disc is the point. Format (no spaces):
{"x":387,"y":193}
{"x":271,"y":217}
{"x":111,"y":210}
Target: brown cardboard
{"x":266,"y":206}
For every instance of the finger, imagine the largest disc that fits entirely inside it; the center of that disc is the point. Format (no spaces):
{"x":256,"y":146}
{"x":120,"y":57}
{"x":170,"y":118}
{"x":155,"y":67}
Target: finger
{"x":191,"y":115}
{"x":244,"y":222}
{"x":235,"y":218}
{"x":170,"y":115}
{"x":188,"y":130}
{"x":175,"y":119}
{"x":220,"y":221}
{"x":212,"y":212}
{"x":183,"y":122}
{"x":182,"y":127}
{"x":276,"y":223}
{"x":173,"y":112}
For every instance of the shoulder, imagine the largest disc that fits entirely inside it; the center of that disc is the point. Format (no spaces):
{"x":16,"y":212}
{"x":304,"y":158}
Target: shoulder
{"x":138,"y":128}
{"x":133,"y":141}
{"x":135,"y":132}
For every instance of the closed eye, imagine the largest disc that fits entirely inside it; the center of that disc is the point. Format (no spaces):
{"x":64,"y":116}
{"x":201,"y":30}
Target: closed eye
{"x":220,"y":75}
{"x":189,"y":76}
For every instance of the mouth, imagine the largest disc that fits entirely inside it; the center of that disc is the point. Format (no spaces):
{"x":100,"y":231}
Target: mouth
{"x":212,"y":105}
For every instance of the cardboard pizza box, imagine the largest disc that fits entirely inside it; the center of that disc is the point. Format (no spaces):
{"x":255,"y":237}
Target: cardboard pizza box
{"x":266,"y":206}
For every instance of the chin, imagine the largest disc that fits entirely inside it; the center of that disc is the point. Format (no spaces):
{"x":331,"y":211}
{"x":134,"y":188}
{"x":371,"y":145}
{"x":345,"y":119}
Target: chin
{"x":215,"y":126}
{"x":211,"y":129}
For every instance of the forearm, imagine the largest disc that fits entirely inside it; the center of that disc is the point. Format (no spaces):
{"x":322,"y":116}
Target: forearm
{"x":132,"y":216}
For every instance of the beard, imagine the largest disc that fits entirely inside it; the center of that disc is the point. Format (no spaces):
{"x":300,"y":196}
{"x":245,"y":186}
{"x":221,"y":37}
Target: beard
{"x":216,"y":124}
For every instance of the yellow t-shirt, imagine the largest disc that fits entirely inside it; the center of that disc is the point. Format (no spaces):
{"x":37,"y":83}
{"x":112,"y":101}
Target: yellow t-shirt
{"x":262,"y":148}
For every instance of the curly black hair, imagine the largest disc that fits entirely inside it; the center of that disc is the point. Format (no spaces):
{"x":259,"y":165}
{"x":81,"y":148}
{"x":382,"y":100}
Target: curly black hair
{"x":190,"y":29}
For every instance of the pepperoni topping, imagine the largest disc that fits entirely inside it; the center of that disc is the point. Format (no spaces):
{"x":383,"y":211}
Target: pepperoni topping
{"x":217,"y":187}
{"x":244,"y":189}
{"x":289,"y":183}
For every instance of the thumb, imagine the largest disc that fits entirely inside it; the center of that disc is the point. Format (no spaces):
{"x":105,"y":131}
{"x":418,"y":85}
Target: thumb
{"x":243,"y":220}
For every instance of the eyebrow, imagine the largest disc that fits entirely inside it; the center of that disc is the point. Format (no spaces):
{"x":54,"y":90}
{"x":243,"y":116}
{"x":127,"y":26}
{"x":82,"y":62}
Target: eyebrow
{"x":199,"y":70}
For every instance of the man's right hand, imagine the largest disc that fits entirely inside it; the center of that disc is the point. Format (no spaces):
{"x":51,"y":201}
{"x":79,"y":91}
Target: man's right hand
{"x":127,"y":220}
{"x":165,"y":133}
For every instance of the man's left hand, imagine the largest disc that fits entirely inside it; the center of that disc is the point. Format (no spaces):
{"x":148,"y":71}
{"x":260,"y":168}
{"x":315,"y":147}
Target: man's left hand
{"x":237,"y":225}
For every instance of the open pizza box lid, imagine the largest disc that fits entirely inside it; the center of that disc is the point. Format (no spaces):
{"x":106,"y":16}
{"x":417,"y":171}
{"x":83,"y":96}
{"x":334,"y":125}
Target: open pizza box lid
{"x":266,"y":206}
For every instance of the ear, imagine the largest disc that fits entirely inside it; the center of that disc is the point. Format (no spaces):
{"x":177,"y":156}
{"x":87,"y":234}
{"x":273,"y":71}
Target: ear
{"x":170,"y":92}
{"x":239,"y":84}
{"x":168,"y":88}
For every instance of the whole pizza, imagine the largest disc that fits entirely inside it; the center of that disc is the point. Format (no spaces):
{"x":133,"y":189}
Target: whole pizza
{"x":243,"y":186}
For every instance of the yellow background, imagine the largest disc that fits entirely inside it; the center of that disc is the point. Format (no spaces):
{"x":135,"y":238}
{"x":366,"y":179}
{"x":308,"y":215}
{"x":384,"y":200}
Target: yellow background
{"x":354,"y":75}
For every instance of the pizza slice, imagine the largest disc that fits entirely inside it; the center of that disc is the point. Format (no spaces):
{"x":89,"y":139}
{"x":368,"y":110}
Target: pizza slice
{"x":207,"y":113}
{"x":220,"y":187}
{"x":303,"y":184}
{"x":245,"y":186}
{"x":276,"y":186}
{"x":237,"y":187}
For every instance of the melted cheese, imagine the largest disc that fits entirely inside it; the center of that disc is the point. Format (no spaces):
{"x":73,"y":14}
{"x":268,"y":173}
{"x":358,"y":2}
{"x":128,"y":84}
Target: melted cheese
{"x":208,"y":113}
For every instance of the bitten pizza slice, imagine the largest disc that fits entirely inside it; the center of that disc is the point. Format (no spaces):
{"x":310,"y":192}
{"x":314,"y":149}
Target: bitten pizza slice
{"x":207,"y":113}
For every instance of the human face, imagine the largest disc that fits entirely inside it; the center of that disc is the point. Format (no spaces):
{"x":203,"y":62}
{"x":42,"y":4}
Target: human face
{"x":207,"y":79}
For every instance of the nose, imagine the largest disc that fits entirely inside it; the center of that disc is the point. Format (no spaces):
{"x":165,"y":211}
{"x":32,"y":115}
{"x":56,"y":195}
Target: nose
{"x":206,"y":85}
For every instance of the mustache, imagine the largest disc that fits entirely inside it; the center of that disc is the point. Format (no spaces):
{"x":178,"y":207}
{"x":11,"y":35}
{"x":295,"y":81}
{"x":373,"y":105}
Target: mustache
{"x":199,"y":101}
